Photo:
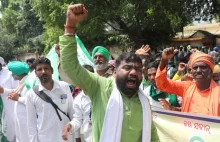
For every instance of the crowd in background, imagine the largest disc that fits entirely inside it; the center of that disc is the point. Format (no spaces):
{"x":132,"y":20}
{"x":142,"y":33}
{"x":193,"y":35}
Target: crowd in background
{"x":110,"y":101}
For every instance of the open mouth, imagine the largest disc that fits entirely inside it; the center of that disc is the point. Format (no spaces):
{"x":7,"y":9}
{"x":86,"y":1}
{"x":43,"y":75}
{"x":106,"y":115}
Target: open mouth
{"x":131,"y":82}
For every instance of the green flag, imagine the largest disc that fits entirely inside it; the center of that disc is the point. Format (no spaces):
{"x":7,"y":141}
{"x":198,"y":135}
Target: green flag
{"x":82,"y":54}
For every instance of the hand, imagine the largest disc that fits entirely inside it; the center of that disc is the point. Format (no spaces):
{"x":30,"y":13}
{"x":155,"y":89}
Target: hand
{"x":75,"y":14}
{"x":1,"y":90}
{"x":168,"y":53}
{"x":181,"y":68}
{"x":66,"y":130}
{"x":57,"y":49}
{"x":187,"y":77}
{"x":143,"y":50}
{"x":13,"y":96}
{"x":166,"y":105}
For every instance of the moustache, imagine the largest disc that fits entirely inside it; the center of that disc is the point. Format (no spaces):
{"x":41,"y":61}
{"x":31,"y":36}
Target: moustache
{"x":44,"y":75}
{"x":199,"y":73}
{"x":99,"y":62}
{"x":132,"y":78}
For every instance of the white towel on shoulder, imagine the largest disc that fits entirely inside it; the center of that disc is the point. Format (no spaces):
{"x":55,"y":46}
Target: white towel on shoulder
{"x":112,"y":125}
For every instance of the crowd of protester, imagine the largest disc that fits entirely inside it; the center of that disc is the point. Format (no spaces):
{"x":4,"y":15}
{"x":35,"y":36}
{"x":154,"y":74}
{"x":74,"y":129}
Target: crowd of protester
{"x":110,"y":102}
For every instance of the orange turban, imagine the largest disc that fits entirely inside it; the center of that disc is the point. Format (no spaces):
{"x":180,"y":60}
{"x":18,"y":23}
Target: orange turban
{"x":202,"y":57}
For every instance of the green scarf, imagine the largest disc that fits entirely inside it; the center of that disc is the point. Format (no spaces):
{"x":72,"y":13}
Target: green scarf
{"x":145,"y":82}
{"x":162,"y":95}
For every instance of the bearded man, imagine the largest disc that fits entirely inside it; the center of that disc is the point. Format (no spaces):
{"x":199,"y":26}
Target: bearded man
{"x":47,"y":115}
{"x":101,"y":57}
{"x":120,"y":110}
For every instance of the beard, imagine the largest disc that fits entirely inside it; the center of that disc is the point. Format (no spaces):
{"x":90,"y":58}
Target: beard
{"x":121,"y":84}
{"x":45,"y":78}
{"x":100,"y":65}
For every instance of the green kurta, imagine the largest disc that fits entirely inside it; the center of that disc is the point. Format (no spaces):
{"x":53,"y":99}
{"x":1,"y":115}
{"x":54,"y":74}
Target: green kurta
{"x":99,"y":90}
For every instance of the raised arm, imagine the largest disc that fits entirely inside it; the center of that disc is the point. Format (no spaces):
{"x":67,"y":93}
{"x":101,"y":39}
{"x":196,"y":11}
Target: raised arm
{"x":163,"y":83}
{"x":87,"y":81}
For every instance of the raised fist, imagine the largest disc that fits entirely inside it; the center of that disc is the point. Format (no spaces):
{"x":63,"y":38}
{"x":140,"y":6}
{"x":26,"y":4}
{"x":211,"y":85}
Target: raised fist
{"x":168,"y":53}
{"x":75,"y":14}
{"x":182,"y":67}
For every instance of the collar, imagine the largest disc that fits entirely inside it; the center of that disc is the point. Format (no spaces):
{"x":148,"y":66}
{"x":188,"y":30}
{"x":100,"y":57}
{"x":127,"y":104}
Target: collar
{"x":108,"y":73}
{"x":55,"y":86}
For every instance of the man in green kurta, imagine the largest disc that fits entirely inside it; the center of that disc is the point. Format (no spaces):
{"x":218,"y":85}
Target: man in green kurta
{"x":99,"y":89}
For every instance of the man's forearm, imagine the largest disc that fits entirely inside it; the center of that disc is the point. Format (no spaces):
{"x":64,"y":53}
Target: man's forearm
{"x":69,"y":62}
{"x":163,"y":64}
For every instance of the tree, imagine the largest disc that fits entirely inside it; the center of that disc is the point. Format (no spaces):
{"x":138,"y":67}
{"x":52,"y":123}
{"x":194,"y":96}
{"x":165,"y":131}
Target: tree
{"x":20,"y":21}
{"x":29,"y":25}
{"x":7,"y":42}
{"x":143,"y":21}
{"x":4,"y":4}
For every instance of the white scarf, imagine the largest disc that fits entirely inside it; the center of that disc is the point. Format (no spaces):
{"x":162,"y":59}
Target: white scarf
{"x":112,"y":125}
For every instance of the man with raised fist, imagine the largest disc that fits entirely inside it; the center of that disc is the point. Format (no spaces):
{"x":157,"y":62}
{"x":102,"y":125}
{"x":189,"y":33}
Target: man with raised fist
{"x":201,"y":96}
{"x":120,"y":111}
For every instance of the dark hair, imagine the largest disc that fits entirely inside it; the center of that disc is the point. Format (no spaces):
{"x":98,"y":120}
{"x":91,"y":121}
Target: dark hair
{"x":158,"y":55}
{"x":88,"y":66}
{"x":30,"y":60}
{"x":152,"y":65}
{"x":42,"y":60}
{"x":127,"y":57}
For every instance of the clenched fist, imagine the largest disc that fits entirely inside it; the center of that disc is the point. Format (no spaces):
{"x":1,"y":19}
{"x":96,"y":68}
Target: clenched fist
{"x":168,"y":53}
{"x":75,"y":14}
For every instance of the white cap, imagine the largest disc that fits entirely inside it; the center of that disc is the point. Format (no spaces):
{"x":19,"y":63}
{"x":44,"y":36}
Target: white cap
{"x":2,"y":61}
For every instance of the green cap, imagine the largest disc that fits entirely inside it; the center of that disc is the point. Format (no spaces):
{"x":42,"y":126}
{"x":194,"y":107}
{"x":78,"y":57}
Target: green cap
{"x":18,"y":68}
{"x":102,"y":50}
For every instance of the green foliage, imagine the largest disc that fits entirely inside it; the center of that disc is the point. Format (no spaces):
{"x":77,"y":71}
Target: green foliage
{"x":19,"y":20}
{"x":7,"y":42}
{"x":142,"y":21}
{"x":51,"y":36}
{"x":4,"y":4}
{"x":37,"y":24}
{"x":9,"y":20}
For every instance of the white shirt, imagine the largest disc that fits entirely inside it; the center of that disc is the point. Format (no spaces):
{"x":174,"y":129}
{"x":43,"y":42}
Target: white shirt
{"x":44,"y":124}
{"x":82,"y":116}
{"x":8,"y":122}
{"x":154,"y":104}
{"x":20,"y":112}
